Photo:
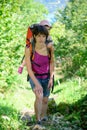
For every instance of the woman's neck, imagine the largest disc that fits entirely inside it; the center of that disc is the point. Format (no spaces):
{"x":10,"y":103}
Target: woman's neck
{"x":41,"y":48}
{"x":40,"y":45}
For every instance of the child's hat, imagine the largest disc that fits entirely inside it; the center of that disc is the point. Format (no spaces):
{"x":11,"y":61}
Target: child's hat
{"x":45,"y":23}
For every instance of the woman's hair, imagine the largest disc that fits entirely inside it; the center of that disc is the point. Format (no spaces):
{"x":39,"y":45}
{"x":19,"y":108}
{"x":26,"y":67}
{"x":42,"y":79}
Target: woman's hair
{"x":39,"y":29}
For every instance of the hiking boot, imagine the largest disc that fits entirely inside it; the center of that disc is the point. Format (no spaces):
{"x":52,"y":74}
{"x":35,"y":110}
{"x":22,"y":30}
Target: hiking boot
{"x":44,"y":119}
{"x":38,"y":122}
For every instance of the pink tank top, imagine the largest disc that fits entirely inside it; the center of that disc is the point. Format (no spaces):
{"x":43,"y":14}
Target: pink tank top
{"x":40,"y":65}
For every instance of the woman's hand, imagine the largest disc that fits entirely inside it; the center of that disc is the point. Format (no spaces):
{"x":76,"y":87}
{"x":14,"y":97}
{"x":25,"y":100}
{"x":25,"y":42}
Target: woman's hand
{"x":50,"y":84}
{"x":38,"y":89}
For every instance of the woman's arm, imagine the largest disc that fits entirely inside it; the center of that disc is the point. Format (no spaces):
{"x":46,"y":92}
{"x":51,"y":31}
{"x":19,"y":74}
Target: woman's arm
{"x":30,"y":72}
{"x":52,"y":62}
{"x":51,"y":65}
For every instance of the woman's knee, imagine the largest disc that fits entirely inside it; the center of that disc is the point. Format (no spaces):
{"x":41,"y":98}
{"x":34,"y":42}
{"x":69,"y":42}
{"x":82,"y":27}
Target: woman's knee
{"x":39,"y":97}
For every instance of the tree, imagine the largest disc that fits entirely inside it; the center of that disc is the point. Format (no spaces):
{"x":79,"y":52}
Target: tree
{"x":15,"y":17}
{"x":73,"y":42}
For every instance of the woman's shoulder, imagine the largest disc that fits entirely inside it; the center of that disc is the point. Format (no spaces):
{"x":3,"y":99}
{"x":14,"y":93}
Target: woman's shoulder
{"x":50,"y":45}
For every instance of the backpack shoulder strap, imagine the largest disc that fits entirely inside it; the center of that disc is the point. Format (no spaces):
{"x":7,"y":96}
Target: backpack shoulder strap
{"x":28,"y":36}
{"x":49,"y":53}
{"x":30,"y":42}
{"x":32,"y":49}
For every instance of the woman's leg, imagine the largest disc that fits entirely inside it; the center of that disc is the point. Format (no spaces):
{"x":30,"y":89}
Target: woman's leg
{"x":44,"y":107}
{"x":46,"y":94}
{"x":38,"y":105}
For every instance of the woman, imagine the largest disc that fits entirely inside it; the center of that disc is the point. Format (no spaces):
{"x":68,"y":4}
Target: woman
{"x":40,"y":70}
{"x":49,"y":41}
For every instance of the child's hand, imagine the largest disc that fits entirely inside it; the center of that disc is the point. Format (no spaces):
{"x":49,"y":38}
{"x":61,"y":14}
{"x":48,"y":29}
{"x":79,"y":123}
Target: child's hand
{"x":20,"y":69}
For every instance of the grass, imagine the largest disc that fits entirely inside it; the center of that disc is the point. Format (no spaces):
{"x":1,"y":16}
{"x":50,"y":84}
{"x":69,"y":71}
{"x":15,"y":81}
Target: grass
{"x":69,"y":94}
{"x":70,"y":91}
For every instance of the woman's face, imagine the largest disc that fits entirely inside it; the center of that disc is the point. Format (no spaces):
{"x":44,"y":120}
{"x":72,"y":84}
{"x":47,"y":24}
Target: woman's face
{"x":40,"y":38}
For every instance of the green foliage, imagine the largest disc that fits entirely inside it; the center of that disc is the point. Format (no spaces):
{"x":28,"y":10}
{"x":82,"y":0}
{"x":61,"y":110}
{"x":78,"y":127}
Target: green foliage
{"x":71,"y":98}
{"x":15,"y":17}
{"x":71,"y":37}
{"x":12,"y":103}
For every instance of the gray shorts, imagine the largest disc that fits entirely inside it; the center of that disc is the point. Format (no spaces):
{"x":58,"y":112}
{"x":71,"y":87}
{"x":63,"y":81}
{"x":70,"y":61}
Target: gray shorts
{"x":44,"y":84}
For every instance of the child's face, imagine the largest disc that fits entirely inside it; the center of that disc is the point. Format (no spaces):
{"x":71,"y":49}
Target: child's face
{"x":40,"y":38}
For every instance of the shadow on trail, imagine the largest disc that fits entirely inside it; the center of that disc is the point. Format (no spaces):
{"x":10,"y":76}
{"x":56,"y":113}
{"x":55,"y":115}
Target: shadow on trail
{"x":75,"y":113}
{"x":66,"y":116}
